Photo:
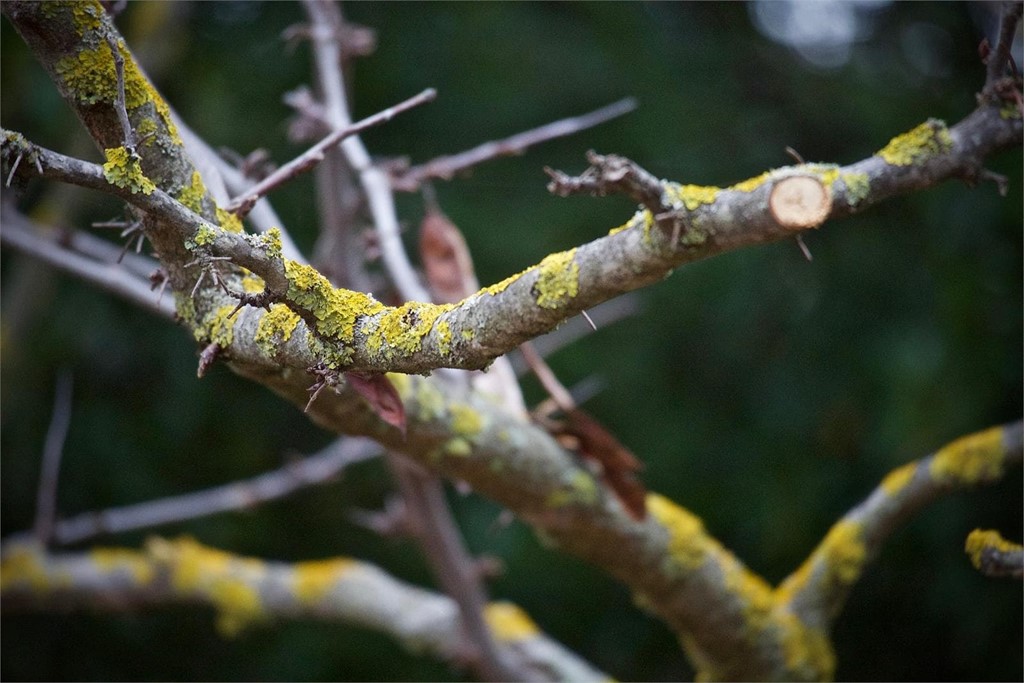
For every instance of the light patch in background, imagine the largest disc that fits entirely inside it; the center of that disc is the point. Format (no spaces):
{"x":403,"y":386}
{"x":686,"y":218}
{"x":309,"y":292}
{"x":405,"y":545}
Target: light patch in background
{"x":822,"y":32}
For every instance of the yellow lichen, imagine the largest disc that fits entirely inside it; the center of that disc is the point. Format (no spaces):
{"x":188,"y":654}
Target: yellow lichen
{"x":444,"y":337}
{"x":458,"y":446}
{"x":275,"y":327}
{"x":230,"y":222}
{"x":691,"y":196}
{"x":973,"y":459}
{"x":467,"y":335}
{"x":313,"y":580}
{"x":336,"y":310}
{"x":86,"y":15}
{"x":204,"y":236}
{"x":499,"y":287}
{"x":558,"y":279}
{"x":253,"y":284}
{"x":465,"y":421}
{"x":429,"y":400}
{"x":858,"y":186}
{"x":91,"y":76}
{"x":402,"y":329}
{"x":844,"y":552}
{"x":216,"y":327}
{"x":192,"y":195}
{"x":754,"y":593}
{"x":238,"y":605}
{"x":508,"y":622}
{"x":807,"y":649}
{"x":23,"y":564}
{"x":124,"y":169}
{"x":269,"y":241}
{"x":581,"y":489}
{"x":897,"y":480}
{"x":688,"y":544}
{"x":978,"y":541}
{"x":929,"y":139}
{"x":751,"y":184}
{"x":120,"y":559}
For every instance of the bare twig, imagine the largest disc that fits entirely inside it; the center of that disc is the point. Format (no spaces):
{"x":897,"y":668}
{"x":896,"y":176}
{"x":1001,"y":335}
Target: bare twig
{"x":315,"y":154}
{"x":561,"y":396}
{"x":19,"y":233}
{"x":46,"y":499}
{"x":445,"y":167}
{"x":119,"y":105}
{"x":246,"y":494}
{"x":1001,"y":57}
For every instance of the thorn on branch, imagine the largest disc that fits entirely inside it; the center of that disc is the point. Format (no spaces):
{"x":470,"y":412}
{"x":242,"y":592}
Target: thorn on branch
{"x":132,"y":229}
{"x":128,"y":135}
{"x":158,"y":278}
{"x":259,"y":300}
{"x":326,"y":377}
{"x":209,"y":269}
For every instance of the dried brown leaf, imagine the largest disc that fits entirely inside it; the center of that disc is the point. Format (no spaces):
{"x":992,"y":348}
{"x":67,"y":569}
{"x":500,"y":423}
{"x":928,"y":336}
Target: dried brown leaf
{"x":618,"y":464}
{"x":446,"y":261}
{"x":382,"y":396}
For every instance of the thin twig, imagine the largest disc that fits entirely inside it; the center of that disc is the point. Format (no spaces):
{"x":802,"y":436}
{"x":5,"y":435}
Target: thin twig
{"x":445,"y":167}
{"x":308,"y":472}
{"x":46,"y":499}
{"x":315,"y":154}
{"x":120,"y":108}
{"x":1001,"y":57}
{"x":563,"y":399}
{"x":19,"y":233}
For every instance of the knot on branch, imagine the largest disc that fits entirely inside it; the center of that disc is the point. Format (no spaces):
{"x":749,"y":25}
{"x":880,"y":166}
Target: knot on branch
{"x":613,"y":174}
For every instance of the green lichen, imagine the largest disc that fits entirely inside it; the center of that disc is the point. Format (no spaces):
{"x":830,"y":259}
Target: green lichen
{"x":185,"y":307}
{"x":335,"y":310}
{"x":146,"y":130}
{"x":467,"y":335}
{"x":252,"y":284}
{"x":124,"y":169}
{"x":275,"y":328}
{"x":192,"y":195}
{"x":558,"y":279}
{"x":929,"y":139}
{"x":401,"y":330}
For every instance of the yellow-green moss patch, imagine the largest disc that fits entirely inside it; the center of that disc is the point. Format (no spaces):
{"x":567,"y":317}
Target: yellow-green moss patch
{"x":692,"y":196}
{"x":401,"y":330}
{"x":336,"y":310}
{"x":120,"y":559}
{"x":465,"y":421}
{"x":898,"y":479}
{"x":192,"y":195}
{"x":844,"y":551}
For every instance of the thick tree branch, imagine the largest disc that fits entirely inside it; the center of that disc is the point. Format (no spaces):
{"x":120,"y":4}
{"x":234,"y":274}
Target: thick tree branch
{"x":248,"y":592}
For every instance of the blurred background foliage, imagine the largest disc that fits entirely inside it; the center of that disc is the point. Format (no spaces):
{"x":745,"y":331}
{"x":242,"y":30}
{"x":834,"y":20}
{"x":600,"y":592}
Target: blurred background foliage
{"x":767,"y":393}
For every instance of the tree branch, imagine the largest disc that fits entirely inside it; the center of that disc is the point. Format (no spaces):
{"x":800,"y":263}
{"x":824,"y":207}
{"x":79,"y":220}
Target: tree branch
{"x":248,"y":592}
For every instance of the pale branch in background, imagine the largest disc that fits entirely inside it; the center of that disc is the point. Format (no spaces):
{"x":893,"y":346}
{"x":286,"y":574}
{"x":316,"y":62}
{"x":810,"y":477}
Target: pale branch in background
{"x":336,"y":589}
{"x":311,"y":157}
{"x":53,"y":449}
{"x":314,"y":470}
{"x":446,"y":167}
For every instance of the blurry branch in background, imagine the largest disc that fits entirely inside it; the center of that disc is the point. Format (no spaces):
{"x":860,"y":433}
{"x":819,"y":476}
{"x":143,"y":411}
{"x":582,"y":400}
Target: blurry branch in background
{"x":248,"y":494}
{"x":731,"y":622}
{"x":818,"y":589}
{"x":96,"y":263}
{"x":445,"y":167}
{"x":250,"y":593}
{"x":53,"y":449}
{"x":993,"y":555}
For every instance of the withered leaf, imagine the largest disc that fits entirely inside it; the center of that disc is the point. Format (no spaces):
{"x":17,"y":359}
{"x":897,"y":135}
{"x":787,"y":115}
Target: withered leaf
{"x":446,"y":261}
{"x":619,"y":466}
{"x":382,"y":396}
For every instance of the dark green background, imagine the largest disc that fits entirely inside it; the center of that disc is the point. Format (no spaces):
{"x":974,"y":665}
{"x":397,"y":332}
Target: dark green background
{"x":766,"y":393}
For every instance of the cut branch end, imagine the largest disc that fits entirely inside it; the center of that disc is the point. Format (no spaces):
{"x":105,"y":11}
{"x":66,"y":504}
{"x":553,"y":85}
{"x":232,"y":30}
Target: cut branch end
{"x":800,"y":202}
